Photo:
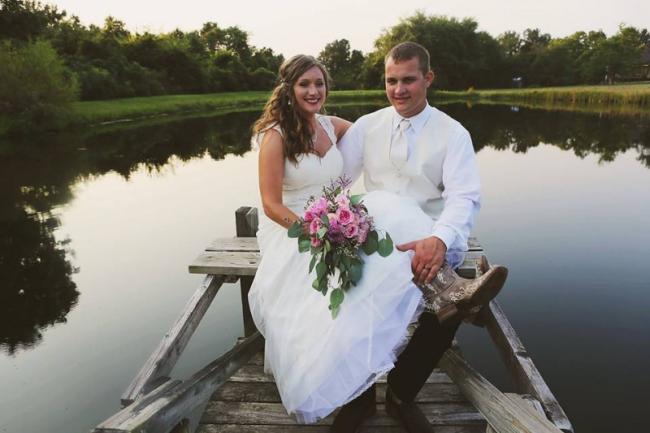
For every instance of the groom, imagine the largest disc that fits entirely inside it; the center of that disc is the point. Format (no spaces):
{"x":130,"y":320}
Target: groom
{"x":413,"y":149}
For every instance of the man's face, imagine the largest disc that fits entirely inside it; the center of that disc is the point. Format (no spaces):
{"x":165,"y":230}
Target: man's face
{"x":406,"y":86}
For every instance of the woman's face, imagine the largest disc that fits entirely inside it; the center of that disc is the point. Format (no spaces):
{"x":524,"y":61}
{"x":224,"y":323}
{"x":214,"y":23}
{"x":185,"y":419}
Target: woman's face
{"x":309,"y":90}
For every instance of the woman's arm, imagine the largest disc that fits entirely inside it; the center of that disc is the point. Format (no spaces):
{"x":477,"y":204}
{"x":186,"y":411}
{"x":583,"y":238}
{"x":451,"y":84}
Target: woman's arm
{"x":271,"y":174}
{"x":340,"y":126}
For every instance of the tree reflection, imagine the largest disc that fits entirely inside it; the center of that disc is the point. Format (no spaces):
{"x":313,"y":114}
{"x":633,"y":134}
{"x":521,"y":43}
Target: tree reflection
{"x":519,"y":129}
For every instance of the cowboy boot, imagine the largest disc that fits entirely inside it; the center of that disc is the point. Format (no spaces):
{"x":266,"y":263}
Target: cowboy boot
{"x":449,"y":294}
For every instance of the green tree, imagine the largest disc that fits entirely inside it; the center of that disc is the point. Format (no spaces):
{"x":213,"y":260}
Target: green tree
{"x":343,"y":65}
{"x":27,"y":19}
{"x":460,"y":55}
{"x":35,"y":85}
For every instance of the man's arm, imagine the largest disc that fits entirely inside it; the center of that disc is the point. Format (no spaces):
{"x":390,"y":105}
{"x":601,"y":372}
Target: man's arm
{"x":462,"y":193}
{"x":351,"y":147}
{"x":462,"y":201}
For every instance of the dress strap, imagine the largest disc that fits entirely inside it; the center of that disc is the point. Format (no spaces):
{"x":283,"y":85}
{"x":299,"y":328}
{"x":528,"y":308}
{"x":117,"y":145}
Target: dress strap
{"x":328,"y":126}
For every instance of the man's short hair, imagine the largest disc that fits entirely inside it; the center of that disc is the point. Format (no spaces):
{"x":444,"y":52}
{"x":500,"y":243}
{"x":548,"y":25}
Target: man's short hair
{"x":408,"y":50}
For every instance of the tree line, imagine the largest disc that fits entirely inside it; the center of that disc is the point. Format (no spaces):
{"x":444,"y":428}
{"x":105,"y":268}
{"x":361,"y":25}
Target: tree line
{"x":48,"y":58}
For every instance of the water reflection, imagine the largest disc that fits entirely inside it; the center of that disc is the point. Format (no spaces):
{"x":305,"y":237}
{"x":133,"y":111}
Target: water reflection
{"x":36,"y":286}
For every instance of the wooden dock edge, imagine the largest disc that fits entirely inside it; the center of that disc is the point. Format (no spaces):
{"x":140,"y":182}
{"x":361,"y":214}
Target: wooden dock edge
{"x":167,"y":406}
{"x":524,"y":374}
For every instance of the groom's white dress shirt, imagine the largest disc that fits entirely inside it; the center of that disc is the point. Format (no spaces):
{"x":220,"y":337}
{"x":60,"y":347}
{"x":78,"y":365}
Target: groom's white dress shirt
{"x":440,"y":172}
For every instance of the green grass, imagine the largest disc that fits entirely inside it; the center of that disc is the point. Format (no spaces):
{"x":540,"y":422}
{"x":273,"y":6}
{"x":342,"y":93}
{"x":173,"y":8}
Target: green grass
{"x":629,"y":98}
{"x":623,"y":97}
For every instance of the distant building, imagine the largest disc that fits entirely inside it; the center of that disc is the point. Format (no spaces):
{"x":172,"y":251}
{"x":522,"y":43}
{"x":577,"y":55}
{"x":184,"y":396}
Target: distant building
{"x":642,"y":69}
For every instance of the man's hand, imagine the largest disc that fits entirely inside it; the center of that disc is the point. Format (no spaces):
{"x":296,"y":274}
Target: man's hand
{"x":429,"y":257}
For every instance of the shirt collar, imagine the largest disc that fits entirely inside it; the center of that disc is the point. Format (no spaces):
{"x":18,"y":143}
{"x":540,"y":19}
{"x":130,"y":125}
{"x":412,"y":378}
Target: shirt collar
{"x":417,"y":121}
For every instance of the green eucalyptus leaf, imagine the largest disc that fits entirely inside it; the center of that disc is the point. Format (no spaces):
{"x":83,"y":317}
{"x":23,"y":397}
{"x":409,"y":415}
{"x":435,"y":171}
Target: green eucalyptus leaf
{"x":321,"y":232}
{"x":321,"y":269}
{"x":336,"y":298}
{"x":312,"y":263}
{"x":316,"y":284}
{"x":335,"y":311}
{"x":371,"y":244}
{"x":295,"y":230}
{"x":325,"y":219}
{"x":356,"y":270}
{"x":304,"y":244}
{"x":385,"y":246}
{"x":356,"y":199}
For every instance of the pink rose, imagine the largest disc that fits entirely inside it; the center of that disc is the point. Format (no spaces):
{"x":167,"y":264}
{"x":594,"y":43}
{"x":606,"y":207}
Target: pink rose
{"x":315,"y":242}
{"x":309,"y":216}
{"x":314,"y":226}
{"x":351,"y":230}
{"x":344,"y":215}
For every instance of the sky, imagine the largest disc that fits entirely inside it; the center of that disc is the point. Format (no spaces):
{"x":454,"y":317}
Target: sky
{"x":292,"y":27}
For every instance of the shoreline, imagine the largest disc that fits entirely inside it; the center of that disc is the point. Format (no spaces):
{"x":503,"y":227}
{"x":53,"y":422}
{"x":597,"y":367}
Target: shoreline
{"x":616,"y":99}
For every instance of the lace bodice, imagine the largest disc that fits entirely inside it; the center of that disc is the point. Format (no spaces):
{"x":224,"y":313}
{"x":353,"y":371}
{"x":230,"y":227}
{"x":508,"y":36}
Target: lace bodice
{"x":307,"y":177}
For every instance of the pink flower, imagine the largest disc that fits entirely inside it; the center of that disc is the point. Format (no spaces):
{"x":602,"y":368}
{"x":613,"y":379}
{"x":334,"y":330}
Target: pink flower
{"x":343,"y":200}
{"x":351,"y":230}
{"x":315,"y":242}
{"x":309,"y":216}
{"x":344,"y":215}
{"x":315,"y":226}
{"x":363,"y":233}
{"x":319,"y":207}
{"x":334,"y":222}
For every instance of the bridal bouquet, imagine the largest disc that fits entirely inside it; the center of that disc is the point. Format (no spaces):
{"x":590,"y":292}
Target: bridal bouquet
{"x":334,"y":228}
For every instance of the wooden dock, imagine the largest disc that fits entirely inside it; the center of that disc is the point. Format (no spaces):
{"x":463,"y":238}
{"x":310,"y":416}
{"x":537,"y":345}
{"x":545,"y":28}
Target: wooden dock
{"x":233,"y":395}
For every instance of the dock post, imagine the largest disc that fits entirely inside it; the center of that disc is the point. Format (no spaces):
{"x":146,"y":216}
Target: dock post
{"x":247,"y":221}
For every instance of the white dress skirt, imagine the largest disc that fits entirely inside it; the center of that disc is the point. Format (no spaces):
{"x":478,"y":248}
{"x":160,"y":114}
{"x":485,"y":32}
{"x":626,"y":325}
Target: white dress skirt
{"x":320,"y":363}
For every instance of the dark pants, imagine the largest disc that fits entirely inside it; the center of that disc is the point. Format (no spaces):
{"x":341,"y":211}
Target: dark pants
{"x":421,"y":355}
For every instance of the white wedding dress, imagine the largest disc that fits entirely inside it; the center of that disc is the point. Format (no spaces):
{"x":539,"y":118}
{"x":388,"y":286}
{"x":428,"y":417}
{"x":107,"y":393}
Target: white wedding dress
{"x":320,"y":363}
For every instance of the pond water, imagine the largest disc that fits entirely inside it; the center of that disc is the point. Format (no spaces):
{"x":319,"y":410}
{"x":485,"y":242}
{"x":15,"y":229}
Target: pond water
{"x":97,"y":229}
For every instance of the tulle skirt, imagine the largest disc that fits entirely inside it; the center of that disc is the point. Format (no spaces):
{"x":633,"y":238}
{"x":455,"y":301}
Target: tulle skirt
{"x":320,"y":363}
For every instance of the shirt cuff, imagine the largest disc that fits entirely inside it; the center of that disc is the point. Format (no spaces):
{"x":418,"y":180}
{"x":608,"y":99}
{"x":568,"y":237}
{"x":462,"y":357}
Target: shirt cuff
{"x":446,"y":234}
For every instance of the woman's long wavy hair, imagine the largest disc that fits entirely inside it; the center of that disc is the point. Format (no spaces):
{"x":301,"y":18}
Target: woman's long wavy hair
{"x":282,"y":108}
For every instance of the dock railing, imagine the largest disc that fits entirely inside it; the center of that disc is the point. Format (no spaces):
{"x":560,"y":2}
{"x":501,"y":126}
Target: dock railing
{"x":155,"y":403}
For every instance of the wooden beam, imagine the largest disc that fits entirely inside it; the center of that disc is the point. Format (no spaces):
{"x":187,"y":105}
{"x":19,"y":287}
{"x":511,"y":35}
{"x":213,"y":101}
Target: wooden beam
{"x":526,"y":377}
{"x":504,"y":415}
{"x":162,"y":360}
{"x":247,"y":222}
{"x":163,"y":409}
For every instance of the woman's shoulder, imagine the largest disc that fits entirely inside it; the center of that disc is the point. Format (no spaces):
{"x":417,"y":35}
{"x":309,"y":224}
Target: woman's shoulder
{"x":339,"y":125}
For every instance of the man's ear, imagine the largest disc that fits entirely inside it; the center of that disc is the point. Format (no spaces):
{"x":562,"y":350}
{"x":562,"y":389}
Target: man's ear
{"x":429,"y":76}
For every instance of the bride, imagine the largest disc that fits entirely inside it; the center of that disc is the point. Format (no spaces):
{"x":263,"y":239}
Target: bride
{"x":320,"y":363}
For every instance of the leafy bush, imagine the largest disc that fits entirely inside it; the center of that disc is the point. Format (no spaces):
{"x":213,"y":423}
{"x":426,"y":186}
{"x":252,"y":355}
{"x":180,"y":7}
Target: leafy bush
{"x":35,"y":85}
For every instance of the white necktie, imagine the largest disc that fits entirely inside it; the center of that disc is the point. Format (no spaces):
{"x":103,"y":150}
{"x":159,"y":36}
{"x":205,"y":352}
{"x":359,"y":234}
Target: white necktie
{"x":399,"y":146}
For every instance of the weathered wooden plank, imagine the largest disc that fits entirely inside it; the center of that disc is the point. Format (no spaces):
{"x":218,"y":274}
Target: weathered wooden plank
{"x":522,"y":400}
{"x":255,"y":373}
{"x":162,"y":360}
{"x":220,"y":412}
{"x":469,"y":267}
{"x":501,"y":412}
{"x":318,"y":428}
{"x":160,"y":411}
{"x":525,"y":375}
{"x":234,"y":244}
{"x":241,"y":263}
{"x":266,"y":392}
{"x":247,"y":222}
